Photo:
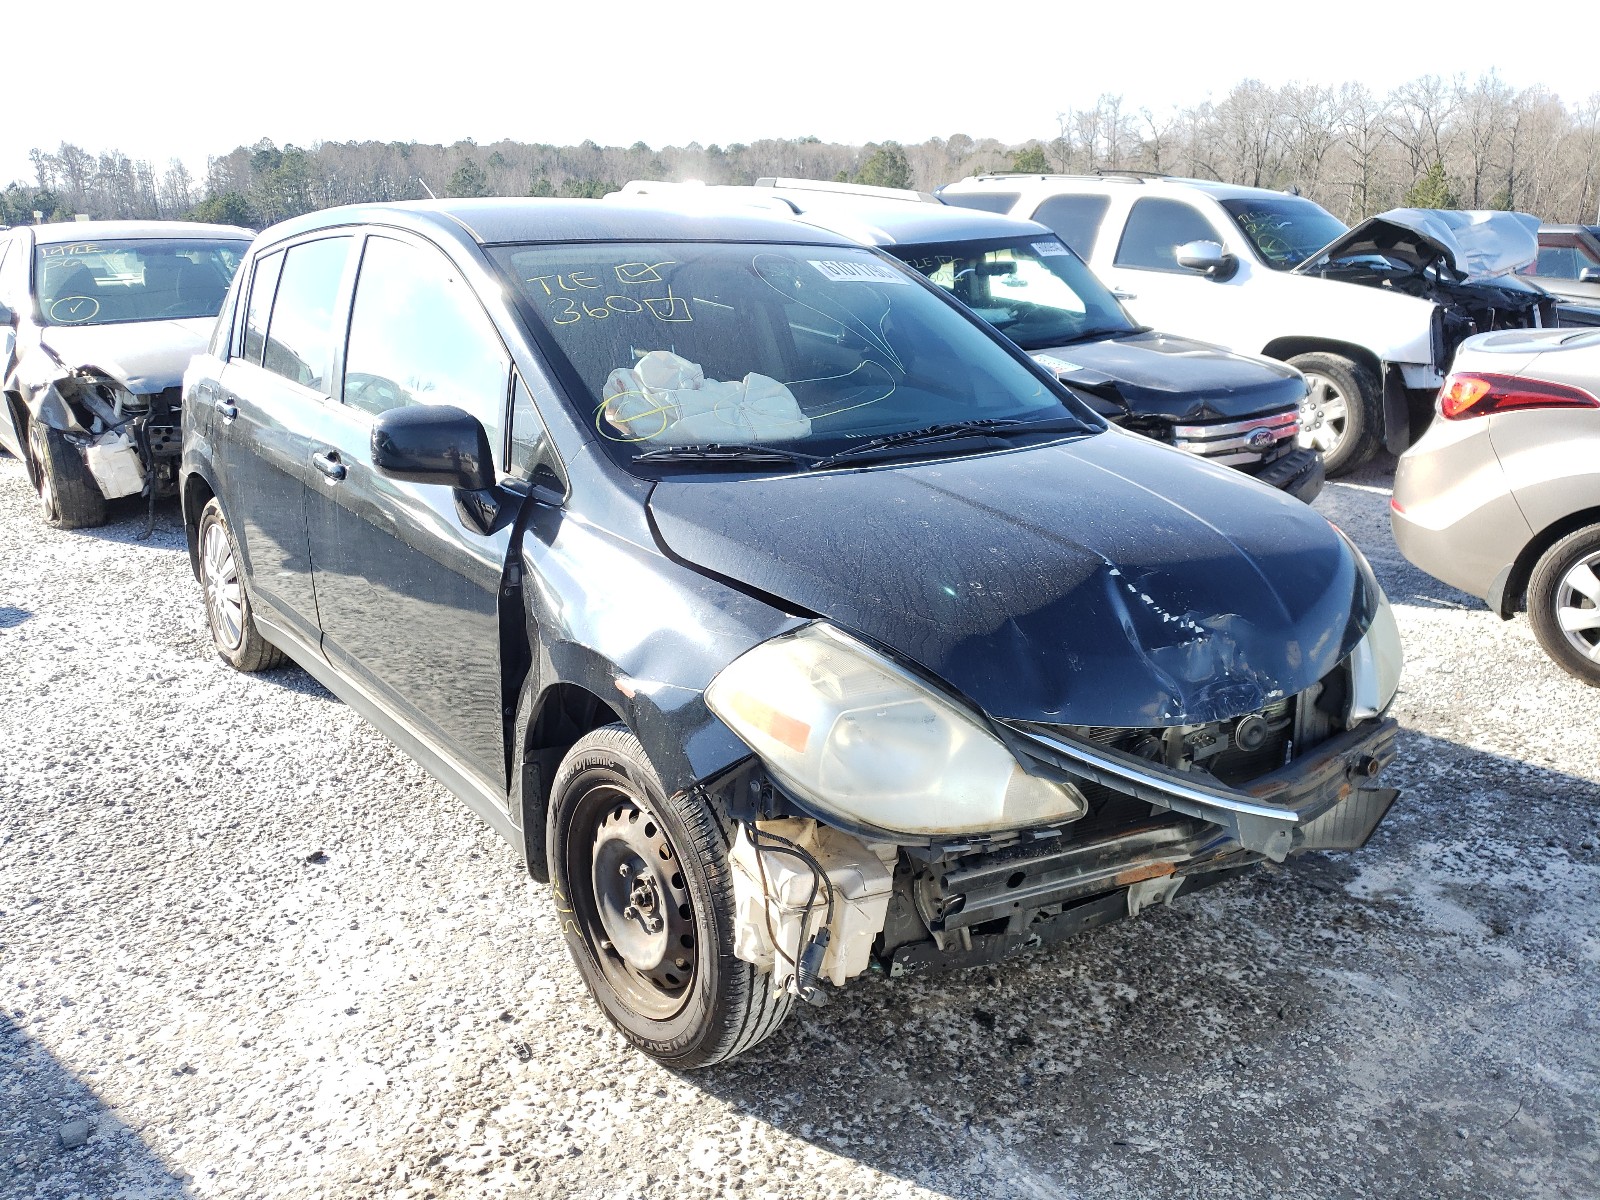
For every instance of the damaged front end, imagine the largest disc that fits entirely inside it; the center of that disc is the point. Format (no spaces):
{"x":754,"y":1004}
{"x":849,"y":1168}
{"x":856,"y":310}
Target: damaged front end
{"x":130,"y":442}
{"x":1127,"y":818}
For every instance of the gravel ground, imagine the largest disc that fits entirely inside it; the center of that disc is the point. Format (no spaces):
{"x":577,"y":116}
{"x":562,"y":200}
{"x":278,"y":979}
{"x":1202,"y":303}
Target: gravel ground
{"x":248,"y":949}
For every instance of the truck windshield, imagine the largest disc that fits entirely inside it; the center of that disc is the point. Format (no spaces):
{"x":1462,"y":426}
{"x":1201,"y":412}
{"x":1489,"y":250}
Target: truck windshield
{"x":806,"y":350}
{"x":1285,"y":230}
{"x":109,"y":282}
{"x":1034,"y":290}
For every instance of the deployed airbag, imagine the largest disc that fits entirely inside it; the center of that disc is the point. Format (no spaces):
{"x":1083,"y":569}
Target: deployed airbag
{"x":667,"y":399}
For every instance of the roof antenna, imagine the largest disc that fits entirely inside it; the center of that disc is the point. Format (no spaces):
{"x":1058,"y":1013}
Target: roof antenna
{"x":426,"y":188}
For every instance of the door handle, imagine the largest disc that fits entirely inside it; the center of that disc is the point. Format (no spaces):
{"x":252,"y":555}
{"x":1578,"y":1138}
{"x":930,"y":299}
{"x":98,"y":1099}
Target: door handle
{"x":227,"y":409}
{"x":327,"y":461}
{"x":1122,"y":295}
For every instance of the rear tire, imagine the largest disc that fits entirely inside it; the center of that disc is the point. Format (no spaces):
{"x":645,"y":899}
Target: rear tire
{"x":233,"y":626}
{"x":1342,"y":415}
{"x":644,"y":890}
{"x":68,"y":494}
{"x":1564,"y":604}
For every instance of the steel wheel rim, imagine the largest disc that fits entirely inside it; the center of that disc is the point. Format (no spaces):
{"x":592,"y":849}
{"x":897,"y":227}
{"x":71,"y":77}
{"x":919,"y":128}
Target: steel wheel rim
{"x":219,"y":574}
{"x":1324,"y":414}
{"x":41,"y":459}
{"x":1578,"y":607}
{"x":652,"y":969}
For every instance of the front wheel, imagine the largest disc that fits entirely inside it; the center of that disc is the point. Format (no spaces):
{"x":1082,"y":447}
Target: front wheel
{"x":644,"y":890}
{"x":68,"y":494}
{"x":1564,"y":604}
{"x":1342,"y":414}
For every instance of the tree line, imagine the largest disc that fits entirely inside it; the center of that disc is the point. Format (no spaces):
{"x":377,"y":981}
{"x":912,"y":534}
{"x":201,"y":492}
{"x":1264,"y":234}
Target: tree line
{"x":1432,"y":142}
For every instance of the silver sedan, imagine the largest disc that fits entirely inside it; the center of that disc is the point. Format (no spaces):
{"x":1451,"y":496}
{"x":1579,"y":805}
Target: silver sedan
{"x":1501,"y":496}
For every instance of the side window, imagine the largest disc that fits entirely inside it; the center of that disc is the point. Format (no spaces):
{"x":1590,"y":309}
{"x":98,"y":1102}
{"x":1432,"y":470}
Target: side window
{"x":1562,"y":256}
{"x":262,"y":285}
{"x":531,"y":453}
{"x":1075,"y":219}
{"x":304,"y":329}
{"x":1156,"y":228}
{"x":419,"y":336}
{"x":995,"y":202}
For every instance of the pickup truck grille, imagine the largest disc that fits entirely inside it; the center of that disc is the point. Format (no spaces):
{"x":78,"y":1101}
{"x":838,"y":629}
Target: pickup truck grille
{"x":1234,"y":443}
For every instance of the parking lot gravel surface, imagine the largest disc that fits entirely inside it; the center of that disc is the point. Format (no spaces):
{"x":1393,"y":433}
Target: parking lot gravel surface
{"x":249,"y":949}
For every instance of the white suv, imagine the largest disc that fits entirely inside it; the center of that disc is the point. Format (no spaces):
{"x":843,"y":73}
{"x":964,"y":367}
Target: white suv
{"x":1270,"y":273}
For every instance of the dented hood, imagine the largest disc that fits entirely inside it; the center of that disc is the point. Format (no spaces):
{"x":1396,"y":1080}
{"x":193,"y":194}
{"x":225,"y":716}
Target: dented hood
{"x":1174,"y":379}
{"x":1474,"y":244}
{"x":1108,"y":581}
{"x":143,"y":356}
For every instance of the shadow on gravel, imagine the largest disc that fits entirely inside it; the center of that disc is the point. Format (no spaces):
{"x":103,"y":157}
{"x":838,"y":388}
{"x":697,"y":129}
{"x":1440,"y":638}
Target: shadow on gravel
{"x":57,"y":1141}
{"x":1410,"y":1019}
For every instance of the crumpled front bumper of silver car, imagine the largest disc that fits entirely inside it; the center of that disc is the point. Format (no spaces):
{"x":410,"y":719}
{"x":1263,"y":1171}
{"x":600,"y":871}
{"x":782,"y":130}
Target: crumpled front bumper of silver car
{"x":1325,"y":799}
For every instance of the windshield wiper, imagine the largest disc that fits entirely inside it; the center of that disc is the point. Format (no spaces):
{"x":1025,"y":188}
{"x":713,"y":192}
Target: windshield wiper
{"x":947,"y":431}
{"x":727,"y":452}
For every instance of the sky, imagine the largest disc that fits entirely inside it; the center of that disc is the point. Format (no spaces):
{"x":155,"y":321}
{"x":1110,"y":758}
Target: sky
{"x":177,"y":79}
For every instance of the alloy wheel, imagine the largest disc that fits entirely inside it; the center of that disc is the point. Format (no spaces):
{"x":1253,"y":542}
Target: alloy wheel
{"x":1324,"y":414}
{"x":1577,"y":604}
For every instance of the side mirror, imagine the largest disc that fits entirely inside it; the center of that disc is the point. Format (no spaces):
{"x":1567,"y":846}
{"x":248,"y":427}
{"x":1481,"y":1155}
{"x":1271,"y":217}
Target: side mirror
{"x":1208,"y":258}
{"x":433,"y":443}
{"x":1589,"y":275}
{"x":7,"y":317}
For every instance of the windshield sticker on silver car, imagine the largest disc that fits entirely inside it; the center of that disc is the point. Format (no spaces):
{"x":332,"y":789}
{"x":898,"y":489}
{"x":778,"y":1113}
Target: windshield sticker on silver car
{"x":857,"y":272}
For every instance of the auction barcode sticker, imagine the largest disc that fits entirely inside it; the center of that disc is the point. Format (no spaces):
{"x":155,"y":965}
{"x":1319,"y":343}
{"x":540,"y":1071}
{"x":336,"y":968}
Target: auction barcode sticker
{"x":1049,"y":248}
{"x":857,"y":272}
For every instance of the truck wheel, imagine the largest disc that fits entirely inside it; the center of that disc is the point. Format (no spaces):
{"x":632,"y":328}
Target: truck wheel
{"x":1342,"y":414}
{"x":233,"y":628}
{"x":67,"y":492}
{"x":644,"y":891}
{"x":1564,"y":604}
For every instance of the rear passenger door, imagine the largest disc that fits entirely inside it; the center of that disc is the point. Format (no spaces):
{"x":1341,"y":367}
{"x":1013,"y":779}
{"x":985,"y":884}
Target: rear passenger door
{"x":407,"y":586}
{"x":267,"y":408}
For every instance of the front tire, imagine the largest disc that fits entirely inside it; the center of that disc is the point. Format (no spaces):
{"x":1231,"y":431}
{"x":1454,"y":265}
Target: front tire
{"x":233,"y":626}
{"x":644,"y":889}
{"x":1564,"y":604}
{"x":68,"y":494}
{"x":1342,"y":414}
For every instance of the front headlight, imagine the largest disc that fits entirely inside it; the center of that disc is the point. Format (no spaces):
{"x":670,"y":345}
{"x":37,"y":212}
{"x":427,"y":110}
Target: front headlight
{"x":848,"y":731}
{"x":1376,"y":661}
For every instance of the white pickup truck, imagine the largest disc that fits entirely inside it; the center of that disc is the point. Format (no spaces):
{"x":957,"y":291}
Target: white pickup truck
{"x":1372,"y":315}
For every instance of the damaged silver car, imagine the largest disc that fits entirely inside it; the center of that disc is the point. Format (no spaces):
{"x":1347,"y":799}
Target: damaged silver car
{"x":98,"y":320}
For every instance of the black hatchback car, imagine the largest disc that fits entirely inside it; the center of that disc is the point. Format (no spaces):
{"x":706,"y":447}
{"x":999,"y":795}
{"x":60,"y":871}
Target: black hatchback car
{"x":784,"y":616}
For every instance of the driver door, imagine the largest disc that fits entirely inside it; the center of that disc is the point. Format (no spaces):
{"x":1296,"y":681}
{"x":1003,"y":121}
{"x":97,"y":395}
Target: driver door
{"x":1145,"y":274}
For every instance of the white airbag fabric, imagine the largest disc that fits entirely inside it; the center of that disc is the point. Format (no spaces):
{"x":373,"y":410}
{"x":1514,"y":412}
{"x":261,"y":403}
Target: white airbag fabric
{"x":668,"y":400}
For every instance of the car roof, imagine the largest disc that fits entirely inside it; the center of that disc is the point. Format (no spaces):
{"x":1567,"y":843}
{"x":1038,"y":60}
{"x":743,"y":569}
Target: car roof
{"x":60,"y":232}
{"x":1094,"y":183}
{"x":874,"y":216}
{"x":496,"y":220}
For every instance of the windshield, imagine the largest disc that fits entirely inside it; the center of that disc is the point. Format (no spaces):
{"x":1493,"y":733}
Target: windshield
{"x":1034,"y":290}
{"x":805,"y":349}
{"x":1285,"y":230}
{"x":106,"y":283}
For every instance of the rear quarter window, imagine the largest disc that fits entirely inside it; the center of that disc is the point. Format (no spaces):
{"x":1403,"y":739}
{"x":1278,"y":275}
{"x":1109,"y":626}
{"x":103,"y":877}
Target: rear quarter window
{"x":1075,"y":219}
{"x":995,"y":202}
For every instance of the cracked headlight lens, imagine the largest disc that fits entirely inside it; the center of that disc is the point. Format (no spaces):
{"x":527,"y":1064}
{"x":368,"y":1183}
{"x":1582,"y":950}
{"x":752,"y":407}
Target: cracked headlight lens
{"x":850,"y":732}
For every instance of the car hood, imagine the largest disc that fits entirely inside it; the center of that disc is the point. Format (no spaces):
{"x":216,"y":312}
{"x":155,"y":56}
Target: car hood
{"x":1106,"y":581}
{"x":144,"y":356}
{"x":1474,"y":244}
{"x":1175,"y":379}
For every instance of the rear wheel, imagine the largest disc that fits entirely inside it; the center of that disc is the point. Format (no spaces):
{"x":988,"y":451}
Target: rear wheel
{"x":1342,"y":414}
{"x":644,"y":889}
{"x":1564,"y":604}
{"x":68,"y":495}
{"x":233,"y":628}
